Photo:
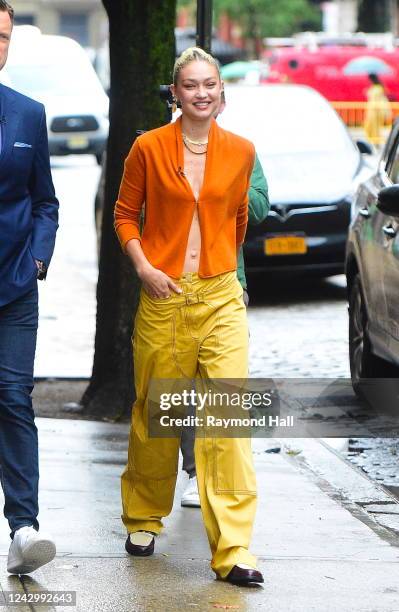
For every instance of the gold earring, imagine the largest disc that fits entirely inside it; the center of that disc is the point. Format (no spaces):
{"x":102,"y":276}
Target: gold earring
{"x":174,"y":105}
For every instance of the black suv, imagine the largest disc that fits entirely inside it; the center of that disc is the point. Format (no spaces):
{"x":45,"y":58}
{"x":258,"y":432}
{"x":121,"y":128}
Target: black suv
{"x":372,"y":271}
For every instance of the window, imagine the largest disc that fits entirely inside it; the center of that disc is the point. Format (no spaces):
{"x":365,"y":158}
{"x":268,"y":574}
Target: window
{"x":24,"y":19}
{"x":273,"y":126}
{"x":76,"y":26}
{"x":293,"y":63}
{"x":56,"y":79}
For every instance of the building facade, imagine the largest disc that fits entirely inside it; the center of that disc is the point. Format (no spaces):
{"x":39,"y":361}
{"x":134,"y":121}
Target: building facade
{"x":343,"y":16}
{"x":84,"y":20}
{"x":340,"y":16}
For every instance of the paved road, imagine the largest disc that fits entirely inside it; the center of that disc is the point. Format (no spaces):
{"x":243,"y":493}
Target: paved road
{"x":67,"y":298}
{"x":326,"y":537}
{"x":296,"y":329}
{"x":341,"y":557}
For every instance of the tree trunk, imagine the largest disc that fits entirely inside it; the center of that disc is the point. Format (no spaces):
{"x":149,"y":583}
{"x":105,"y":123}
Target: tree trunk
{"x":142,"y":51}
{"x":374,"y":16}
{"x":252,"y":33}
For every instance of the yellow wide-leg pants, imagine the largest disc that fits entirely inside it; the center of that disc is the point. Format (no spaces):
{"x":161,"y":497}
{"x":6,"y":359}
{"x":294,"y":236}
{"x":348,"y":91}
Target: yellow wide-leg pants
{"x":201,"y":333}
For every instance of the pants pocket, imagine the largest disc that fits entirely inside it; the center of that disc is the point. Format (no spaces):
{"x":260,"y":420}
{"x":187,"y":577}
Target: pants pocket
{"x":233,"y":466}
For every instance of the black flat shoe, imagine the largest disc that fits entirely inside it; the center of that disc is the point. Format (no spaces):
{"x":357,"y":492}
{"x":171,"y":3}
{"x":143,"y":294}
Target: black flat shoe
{"x":139,"y":550}
{"x":243,"y":577}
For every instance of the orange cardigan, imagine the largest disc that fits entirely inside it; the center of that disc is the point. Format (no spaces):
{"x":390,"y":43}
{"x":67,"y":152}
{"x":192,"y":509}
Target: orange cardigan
{"x":154,"y":174}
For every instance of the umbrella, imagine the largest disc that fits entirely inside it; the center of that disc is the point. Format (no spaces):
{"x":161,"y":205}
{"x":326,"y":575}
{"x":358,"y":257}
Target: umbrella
{"x":239,"y":70}
{"x":367,"y":65}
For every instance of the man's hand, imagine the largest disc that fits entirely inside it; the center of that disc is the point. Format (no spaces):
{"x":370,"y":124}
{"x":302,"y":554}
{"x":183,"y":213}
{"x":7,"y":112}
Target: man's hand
{"x":41,"y":269}
{"x":156,"y":283}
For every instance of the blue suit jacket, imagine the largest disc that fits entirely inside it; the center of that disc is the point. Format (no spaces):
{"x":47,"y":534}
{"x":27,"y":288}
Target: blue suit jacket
{"x":28,"y":206}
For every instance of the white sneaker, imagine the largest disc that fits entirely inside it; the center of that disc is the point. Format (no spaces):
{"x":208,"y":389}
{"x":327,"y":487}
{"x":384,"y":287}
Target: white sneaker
{"x":29,"y":550}
{"x":190,"y":497}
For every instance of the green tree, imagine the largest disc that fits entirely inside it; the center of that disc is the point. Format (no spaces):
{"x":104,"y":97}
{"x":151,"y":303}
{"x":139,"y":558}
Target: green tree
{"x":142,"y":51}
{"x":190,"y":3}
{"x":260,"y":18}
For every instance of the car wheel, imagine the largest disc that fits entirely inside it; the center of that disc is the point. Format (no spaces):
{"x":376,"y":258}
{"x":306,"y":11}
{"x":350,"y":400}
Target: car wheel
{"x":363,"y":363}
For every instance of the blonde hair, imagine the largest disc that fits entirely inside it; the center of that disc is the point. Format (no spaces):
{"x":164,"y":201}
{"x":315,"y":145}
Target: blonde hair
{"x":190,"y":55}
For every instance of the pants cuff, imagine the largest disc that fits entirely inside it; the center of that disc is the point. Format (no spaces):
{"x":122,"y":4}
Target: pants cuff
{"x":34,"y":524}
{"x":223,"y":564}
{"x":133,"y":526}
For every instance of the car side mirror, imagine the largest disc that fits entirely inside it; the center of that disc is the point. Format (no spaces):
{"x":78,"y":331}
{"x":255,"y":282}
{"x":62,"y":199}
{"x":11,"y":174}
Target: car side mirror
{"x":388,"y":201}
{"x":365,"y":147}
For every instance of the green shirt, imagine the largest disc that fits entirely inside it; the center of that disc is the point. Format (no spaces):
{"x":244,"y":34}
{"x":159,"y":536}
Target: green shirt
{"x":258,"y":208}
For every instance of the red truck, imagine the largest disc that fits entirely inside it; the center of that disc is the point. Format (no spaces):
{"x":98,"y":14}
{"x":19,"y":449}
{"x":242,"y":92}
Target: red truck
{"x":329,"y":69}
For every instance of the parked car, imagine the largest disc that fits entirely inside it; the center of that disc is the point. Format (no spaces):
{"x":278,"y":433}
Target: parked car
{"x":313,"y":168}
{"x":372,"y":271}
{"x":57,"y":71}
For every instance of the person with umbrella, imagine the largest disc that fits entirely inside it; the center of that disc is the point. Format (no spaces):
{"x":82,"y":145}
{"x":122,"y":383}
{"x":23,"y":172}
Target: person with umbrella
{"x":377,"y":111}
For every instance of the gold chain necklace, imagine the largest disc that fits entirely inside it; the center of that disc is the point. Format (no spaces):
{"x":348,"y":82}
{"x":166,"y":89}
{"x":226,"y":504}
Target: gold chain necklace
{"x":194,"y":142}
{"x":192,"y":151}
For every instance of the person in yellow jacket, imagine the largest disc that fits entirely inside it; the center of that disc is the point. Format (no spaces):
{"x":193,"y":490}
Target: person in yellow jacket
{"x":377,"y":111}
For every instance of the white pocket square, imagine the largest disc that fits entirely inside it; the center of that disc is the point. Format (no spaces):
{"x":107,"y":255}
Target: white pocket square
{"x":22,"y":145}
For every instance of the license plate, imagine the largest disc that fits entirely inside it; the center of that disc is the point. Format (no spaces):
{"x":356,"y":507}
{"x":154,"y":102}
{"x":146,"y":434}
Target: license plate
{"x":78,"y":142}
{"x":285,"y":245}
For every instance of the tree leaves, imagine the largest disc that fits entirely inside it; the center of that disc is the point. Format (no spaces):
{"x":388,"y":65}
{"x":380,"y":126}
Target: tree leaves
{"x":281,"y":18}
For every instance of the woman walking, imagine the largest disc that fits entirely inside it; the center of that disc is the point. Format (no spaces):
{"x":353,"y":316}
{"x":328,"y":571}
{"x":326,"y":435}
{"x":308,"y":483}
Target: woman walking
{"x":191,"y":322}
{"x":378,"y":111}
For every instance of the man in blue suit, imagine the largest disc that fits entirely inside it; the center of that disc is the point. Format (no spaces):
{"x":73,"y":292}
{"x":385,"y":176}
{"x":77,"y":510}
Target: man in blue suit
{"x":28,"y":224}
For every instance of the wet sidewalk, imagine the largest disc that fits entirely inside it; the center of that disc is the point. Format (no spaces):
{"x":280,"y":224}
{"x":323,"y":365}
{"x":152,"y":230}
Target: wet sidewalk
{"x":327,"y":538}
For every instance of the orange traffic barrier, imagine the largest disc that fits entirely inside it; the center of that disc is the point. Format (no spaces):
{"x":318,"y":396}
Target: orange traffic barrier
{"x":354,"y":115}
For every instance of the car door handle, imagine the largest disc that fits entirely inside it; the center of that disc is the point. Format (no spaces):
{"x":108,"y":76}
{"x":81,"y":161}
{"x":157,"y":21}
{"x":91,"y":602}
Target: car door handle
{"x":364,"y":212}
{"x":389,"y":231}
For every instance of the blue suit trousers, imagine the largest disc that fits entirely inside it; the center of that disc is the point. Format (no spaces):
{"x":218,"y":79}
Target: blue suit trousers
{"x":19,"y":465}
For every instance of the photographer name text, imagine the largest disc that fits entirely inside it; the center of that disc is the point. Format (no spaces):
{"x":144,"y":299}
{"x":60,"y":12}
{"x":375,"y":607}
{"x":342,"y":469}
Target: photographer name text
{"x":225,"y":423}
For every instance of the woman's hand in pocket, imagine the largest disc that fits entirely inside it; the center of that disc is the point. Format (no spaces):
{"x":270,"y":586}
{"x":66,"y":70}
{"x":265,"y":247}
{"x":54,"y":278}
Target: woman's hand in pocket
{"x":156,"y":283}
